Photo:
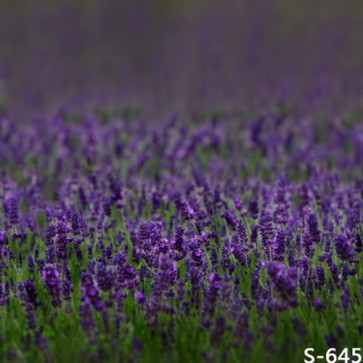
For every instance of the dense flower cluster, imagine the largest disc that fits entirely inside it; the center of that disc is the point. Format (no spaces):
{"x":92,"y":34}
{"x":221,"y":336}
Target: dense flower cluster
{"x":135,"y":239}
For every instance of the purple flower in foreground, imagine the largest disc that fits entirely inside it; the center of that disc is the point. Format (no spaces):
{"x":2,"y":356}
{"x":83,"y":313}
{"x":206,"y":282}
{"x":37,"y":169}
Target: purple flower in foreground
{"x":284,"y":282}
{"x":313,"y":228}
{"x":239,"y":251}
{"x":343,"y":248}
{"x":320,"y":276}
{"x":212,"y":292}
{"x":30,"y":263}
{"x":354,"y":217}
{"x":253,"y":208}
{"x":280,"y":245}
{"x":50,"y":276}
{"x":358,"y":243}
{"x":308,"y":245}
{"x":61,"y":240}
{"x":67,"y":289}
{"x":105,"y":278}
{"x":90,"y":291}
{"x":4,"y":294}
{"x":4,"y":244}
{"x":266,"y":230}
{"x":139,"y":296}
{"x":31,"y":292}
{"x":11,"y":208}
{"x":166,"y":274}
{"x":4,"y":241}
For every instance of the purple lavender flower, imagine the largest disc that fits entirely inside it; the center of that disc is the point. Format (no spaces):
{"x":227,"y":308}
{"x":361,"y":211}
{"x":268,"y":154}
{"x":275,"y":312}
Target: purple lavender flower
{"x":358,"y":243}
{"x":61,"y":240}
{"x":90,"y":292}
{"x":266,"y":229}
{"x":31,"y":292}
{"x":280,"y":245}
{"x":105,"y":278}
{"x":253,"y":208}
{"x":308,"y":246}
{"x":4,"y":294}
{"x":166,"y":274}
{"x":242,"y":234}
{"x":285,"y":284}
{"x":320,"y":276}
{"x":345,"y":298}
{"x":30,"y":264}
{"x":254,"y":234}
{"x":343,"y":247}
{"x":67,"y":289}
{"x":11,"y":208}
{"x":4,"y":241}
{"x":50,"y":276}
{"x":212,"y":292}
{"x":140,"y":298}
{"x":354,"y":217}
{"x":314,"y":228}
{"x":239,"y":251}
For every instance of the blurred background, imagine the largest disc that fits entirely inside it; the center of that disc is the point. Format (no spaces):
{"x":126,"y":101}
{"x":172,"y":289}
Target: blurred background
{"x":181,"y":55}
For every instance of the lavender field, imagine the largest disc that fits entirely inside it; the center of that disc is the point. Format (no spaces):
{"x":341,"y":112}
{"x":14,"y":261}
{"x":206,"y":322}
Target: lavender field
{"x":180,"y":190}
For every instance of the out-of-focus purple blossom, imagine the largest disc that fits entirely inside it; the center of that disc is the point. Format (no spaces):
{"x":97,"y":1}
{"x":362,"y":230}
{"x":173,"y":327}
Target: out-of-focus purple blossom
{"x":318,"y":305}
{"x":11,"y":208}
{"x":285,"y":284}
{"x":87,"y":321}
{"x":30,"y":315}
{"x":343,"y":247}
{"x":253,"y":208}
{"x":308,"y":245}
{"x":105,"y":277}
{"x":4,"y":241}
{"x":4,"y":294}
{"x":314,"y":228}
{"x":90,"y":292}
{"x":320,"y":276}
{"x":140,"y":298}
{"x":50,"y":276}
{"x":67,"y":289}
{"x":280,"y":245}
{"x":345,"y":298}
{"x":212,"y":292}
